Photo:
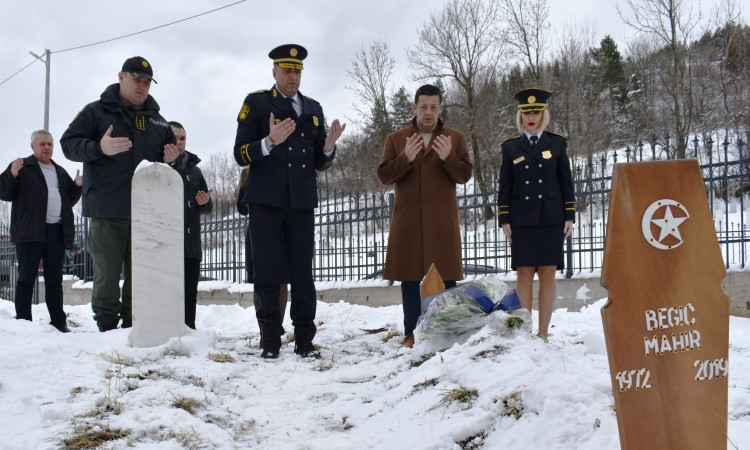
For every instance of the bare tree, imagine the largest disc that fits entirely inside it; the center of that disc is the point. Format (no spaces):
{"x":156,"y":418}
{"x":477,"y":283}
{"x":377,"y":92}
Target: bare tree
{"x":461,"y":43}
{"x":672,"y":23}
{"x":527,"y":32}
{"x":371,"y":71}
{"x":222,"y":175}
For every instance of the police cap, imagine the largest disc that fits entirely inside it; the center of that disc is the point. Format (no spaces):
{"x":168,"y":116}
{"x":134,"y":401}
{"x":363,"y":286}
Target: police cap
{"x":532,"y":99}
{"x":288,"y":56}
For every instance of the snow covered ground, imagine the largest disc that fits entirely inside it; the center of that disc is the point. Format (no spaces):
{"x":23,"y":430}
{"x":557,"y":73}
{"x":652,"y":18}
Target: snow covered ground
{"x":210,"y":390}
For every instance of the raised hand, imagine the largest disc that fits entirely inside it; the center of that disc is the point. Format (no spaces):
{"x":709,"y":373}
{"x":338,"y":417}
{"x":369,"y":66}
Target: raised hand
{"x":442,"y":146}
{"x":279,"y":132}
{"x":16,"y":167}
{"x":333,"y":135}
{"x":202,"y":197}
{"x":171,"y":152}
{"x":114,"y":145}
{"x":414,"y":144}
{"x":78,"y":179}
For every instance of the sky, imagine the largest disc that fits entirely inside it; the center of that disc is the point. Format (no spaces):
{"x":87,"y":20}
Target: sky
{"x":206,"y":66}
{"x":365,"y":392}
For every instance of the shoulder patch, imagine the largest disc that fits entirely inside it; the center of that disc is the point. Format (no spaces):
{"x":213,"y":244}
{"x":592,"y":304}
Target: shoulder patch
{"x":244,"y":111}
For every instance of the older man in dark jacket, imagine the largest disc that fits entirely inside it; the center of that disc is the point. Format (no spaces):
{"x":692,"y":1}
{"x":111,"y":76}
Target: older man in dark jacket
{"x":111,"y":137}
{"x":41,"y":224}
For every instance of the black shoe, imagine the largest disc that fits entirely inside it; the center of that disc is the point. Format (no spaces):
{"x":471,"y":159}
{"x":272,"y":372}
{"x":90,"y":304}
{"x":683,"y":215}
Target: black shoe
{"x":107,"y":323}
{"x":126,"y":324}
{"x":306,"y":349}
{"x":61,"y":328}
{"x":271,"y":349}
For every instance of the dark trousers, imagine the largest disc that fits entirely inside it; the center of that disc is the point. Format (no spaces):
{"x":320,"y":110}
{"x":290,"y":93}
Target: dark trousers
{"x":412,"y":302}
{"x":283,"y":243}
{"x":192,"y":274}
{"x":52,"y":254}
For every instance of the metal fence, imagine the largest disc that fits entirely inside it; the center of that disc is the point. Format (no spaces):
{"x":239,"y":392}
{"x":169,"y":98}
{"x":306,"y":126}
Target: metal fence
{"x":352,"y":228}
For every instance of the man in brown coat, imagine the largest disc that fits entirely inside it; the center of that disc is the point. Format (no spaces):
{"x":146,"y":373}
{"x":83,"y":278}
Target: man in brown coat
{"x":425,"y":161}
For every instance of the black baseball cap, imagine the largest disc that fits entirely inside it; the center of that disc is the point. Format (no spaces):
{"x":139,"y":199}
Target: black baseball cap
{"x":139,"y":68}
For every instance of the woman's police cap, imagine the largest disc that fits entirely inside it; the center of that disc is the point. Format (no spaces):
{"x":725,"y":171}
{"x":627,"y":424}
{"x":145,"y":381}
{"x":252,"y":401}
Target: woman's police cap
{"x":288,"y":56}
{"x":532,"y":99}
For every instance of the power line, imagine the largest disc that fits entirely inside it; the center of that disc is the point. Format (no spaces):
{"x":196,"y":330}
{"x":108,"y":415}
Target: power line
{"x":125,"y":36}
{"x":21,"y":70}
{"x":149,"y":29}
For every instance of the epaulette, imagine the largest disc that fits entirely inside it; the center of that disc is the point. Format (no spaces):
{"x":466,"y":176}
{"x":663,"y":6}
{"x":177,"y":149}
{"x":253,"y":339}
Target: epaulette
{"x":510,"y":139}
{"x":261,"y":91}
{"x":564,"y":136}
{"x":309,"y":98}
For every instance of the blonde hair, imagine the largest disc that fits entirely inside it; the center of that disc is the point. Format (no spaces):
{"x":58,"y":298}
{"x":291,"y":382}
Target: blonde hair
{"x":545,"y":121}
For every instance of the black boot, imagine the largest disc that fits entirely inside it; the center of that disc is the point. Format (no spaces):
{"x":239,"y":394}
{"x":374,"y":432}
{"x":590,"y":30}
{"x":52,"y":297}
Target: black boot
{"x":107,"y":323}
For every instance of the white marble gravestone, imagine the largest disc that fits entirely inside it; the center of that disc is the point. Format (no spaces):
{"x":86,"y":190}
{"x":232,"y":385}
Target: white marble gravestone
{"x":158,"y":254}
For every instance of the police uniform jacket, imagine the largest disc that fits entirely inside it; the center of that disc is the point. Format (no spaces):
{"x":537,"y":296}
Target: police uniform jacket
{"x":107,"y":179}
{"x":193,"y":181}
{"x":287,"y":176}
{"x":28,"y":192}
{"x":536,"y":185}
{"x":424,"y":226}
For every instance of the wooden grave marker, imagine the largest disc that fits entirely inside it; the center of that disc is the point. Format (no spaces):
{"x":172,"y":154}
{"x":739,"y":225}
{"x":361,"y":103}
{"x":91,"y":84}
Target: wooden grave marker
{"x":432,"y":283}
{"x":666,"y":322}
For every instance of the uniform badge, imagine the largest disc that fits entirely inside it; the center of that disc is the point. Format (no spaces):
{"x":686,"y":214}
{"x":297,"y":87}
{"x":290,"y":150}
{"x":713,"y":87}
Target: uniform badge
{"x":140,"y":123}
{"x":518,"y":160}
{"x":276,"y":121}
{"x":546,"y":154}
{"x":315,"y":120}
{"x":274,"y":93}
{"x":243,"y":112}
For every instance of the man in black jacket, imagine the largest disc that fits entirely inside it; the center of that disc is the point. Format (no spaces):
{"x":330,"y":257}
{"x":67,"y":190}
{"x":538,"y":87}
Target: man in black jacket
{"x":41,"y":224}
{"x":197,"y":201}
{"x":282,"y":136}
{"x":111,"y":136}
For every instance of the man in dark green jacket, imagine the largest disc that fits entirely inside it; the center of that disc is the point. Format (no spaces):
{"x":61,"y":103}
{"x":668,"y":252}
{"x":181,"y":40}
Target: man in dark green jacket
{"x":111,"y":137}
{"x":41,"y":224}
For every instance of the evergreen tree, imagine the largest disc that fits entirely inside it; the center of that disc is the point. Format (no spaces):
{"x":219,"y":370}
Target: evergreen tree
{"x":401,"y":109}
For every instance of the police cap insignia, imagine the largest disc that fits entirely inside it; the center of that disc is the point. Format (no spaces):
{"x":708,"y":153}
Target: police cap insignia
{"x":289,"y":56}
{"x":532,"y":99}
{"x":138,"y":67}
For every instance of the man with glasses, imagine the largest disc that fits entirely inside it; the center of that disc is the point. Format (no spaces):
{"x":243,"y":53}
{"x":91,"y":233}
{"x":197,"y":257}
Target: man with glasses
{"x":111,"y":136}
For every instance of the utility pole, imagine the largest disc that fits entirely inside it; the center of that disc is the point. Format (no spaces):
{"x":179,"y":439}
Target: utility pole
{"x":46,"y":62}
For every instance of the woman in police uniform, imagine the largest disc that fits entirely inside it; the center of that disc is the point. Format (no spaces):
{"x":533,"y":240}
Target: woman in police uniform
{"x":536,"y":202}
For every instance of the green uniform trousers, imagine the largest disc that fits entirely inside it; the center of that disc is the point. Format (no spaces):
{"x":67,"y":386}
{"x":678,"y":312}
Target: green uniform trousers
{"x":109,"y":247}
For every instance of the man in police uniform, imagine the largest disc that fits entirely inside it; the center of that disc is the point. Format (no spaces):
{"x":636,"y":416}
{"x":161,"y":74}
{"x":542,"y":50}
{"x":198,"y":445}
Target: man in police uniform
{"x":536,"y":201}
{"x":111,"y":136}
{"x":281,"y":135}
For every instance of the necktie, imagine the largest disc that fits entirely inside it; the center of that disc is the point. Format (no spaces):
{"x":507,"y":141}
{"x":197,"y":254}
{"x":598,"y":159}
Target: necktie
{"x":533,"y":140}
{"x":295,"y":105}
